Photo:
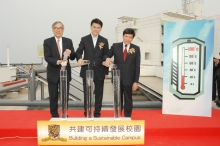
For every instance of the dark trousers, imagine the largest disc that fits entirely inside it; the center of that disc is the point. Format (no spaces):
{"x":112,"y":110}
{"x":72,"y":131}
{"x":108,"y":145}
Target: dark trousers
{"x":218,"y":87}
{"x":99,"y":85}
{"x":126,"y":94}
{"x":53,"y":97}
{"x":216,"y":80}
{"x":213,"y":89}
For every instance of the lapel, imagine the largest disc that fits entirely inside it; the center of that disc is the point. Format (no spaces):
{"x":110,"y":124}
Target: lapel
{"x":64,"y":45}
{"x":121,"y":53}
{"x":90,"y":41}
{"x":97,"y":43}
{"x":129,"y":55}
{"x":54,"y":44}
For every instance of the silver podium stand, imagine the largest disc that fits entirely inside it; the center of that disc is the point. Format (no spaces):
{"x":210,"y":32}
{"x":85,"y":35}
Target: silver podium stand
{"x":63,"y":88}
{"x":116,"y":91}
{"x":90,"y":94}
{"x":90,"y":102}
{"x":90,"y":99}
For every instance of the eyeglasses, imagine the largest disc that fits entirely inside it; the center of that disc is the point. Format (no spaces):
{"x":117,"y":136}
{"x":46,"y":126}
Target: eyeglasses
{"x":58,"y":28}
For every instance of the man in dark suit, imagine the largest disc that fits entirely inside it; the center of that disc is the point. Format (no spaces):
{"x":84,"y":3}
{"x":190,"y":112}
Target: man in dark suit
{"x":127,"y":59}
{"x":54,"y":48}
{"x":216,"y":79}
{"x":215,"y":69}
{"x":94,"y":47}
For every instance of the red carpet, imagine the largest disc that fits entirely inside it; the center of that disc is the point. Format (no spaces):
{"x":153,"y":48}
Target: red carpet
{"x":160,"y":130}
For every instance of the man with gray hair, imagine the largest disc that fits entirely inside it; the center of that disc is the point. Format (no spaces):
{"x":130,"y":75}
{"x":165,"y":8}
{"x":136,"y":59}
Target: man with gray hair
{"x":54,"y":48}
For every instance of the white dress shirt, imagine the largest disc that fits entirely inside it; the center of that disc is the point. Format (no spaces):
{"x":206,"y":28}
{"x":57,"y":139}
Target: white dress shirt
{"x":128,"y":46}
{"x":94,"y":39}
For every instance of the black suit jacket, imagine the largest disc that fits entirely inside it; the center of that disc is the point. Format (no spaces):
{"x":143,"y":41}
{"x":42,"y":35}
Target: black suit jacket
{"x":51,"y":55}
{"x":216,"y":70}
{"x":94,"y":55}
{"x":130,"y":68}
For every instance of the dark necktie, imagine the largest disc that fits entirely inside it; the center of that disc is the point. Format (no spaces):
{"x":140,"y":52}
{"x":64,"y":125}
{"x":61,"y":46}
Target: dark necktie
{"x":125,"y":52}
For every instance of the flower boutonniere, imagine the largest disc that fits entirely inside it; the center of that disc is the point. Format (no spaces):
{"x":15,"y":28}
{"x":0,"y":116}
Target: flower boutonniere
{"x":101,"y":44}
{"x":131,"y":51}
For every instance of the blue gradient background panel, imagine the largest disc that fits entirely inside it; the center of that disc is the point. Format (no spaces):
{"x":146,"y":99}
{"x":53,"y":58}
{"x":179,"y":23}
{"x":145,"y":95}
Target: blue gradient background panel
{"x":201,"y":105}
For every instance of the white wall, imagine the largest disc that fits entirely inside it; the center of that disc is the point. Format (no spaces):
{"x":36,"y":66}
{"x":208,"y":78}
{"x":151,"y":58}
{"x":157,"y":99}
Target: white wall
{"x":151,"y":71}
{"x":7,"y":74}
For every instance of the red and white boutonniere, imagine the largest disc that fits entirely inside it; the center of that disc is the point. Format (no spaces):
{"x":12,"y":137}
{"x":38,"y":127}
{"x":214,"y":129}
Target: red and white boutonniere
{"x":101,"y":44}
{"x":131,"y":51}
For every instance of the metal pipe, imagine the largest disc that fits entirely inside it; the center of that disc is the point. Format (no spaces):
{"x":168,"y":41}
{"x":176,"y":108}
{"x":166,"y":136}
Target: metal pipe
{"x":13,"y":82}
{"x":12,"y":87}
{"x":136,"y":104}
{"x":63,"y":93}
{"x":116,"y":93}
{"x":37,"y":85}
{"x":63,"y":88}
{"x":31,"y":85}
{"x":42,"y":90}
{"x":90,"y":99}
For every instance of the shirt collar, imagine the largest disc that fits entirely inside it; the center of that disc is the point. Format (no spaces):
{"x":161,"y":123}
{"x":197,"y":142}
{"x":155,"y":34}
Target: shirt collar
{"x":59,"y":39}
{"x":128,"y":45}
{"x":94,"y":37}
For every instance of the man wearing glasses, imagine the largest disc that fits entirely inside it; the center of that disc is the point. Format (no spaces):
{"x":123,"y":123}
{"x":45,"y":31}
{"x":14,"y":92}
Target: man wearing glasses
{"x":54,"y":48}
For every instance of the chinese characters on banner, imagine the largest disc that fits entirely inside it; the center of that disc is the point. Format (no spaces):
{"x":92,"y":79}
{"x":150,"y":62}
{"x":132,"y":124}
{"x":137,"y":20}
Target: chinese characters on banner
{"x":90,"y":132}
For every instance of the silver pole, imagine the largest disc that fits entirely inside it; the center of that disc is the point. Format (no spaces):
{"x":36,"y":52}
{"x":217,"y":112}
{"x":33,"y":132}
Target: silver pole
{"x":90,"y":100}
{"x":42,"y":90}
{"x":63,"y":93}
{"x":63,"y":87}
{"x":116,"y":93}
{"x":31,"y":85}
